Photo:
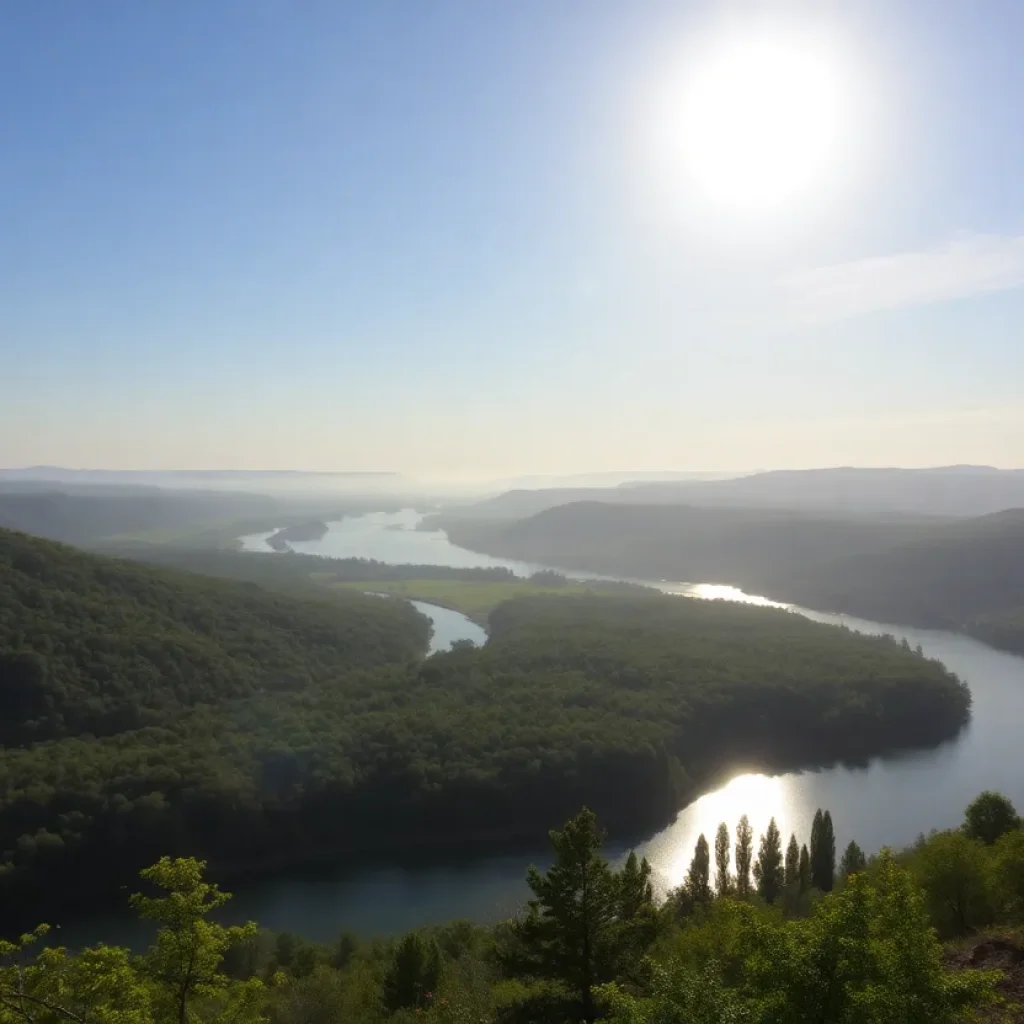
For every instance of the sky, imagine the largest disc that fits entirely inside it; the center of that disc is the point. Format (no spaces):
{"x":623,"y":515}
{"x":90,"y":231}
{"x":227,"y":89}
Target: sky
{"x":460,"y":239}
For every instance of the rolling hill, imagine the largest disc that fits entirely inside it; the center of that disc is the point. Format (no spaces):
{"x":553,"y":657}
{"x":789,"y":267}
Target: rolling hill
{"x":749,"y":548}
{"x":101,"y":646}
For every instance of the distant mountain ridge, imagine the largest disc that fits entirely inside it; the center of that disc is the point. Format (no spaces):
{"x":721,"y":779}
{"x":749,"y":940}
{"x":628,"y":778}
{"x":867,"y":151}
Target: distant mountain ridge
{"x":78,"y":518}
{"x":940,"y":491}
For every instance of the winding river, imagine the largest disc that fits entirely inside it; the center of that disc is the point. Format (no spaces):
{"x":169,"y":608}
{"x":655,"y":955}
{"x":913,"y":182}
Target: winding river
{"x":888,"y":801}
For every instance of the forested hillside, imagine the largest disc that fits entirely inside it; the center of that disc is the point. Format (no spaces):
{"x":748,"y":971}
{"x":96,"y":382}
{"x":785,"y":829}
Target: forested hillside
{"x":84,"y":516}
{"x":102,"y":646}
{"x":251,"y":728}
{"x":967,"y":575}
{"x":960,"y":575}
{"x":744,"y":547}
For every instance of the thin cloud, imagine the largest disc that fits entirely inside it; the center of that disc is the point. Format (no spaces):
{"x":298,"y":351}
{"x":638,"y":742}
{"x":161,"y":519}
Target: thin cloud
{"x":965,"y":266}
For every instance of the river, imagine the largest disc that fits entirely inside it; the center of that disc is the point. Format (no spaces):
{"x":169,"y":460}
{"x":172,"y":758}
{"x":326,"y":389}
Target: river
{"x":888,"y":801}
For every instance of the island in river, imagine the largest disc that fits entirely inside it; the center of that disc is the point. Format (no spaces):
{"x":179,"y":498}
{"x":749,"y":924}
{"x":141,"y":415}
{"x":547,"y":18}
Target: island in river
{"x":283,"y":538}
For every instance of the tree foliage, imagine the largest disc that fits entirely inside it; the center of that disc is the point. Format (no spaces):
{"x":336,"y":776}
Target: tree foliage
{"x":769,"y":871}
{"x":853,"y":861}
{"x":989,"y":816}
{"x":698,"y":878}
{"x":578,"y":922}
{"x":792,"y":871}
{"x":723,"y":878}
{"x":186,"y":959}
{"x":744,"y":856}
{"x":823,"y":851}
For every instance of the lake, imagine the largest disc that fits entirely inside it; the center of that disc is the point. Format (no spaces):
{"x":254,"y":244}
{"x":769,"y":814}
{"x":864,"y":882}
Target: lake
{"x":888,"y":801}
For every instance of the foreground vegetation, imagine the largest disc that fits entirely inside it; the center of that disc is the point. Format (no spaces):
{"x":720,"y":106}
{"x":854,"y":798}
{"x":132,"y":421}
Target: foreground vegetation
{"x":154,"y":712}
{"x":779,"y":939}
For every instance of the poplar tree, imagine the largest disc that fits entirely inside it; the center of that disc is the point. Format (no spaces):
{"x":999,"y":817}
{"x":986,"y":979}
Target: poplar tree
{"x":723,"y":879}
{"x":744,"y":856}
{"x":768,"y":871}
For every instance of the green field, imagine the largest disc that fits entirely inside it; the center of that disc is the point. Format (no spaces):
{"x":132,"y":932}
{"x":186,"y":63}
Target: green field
{"x":475,"y":600}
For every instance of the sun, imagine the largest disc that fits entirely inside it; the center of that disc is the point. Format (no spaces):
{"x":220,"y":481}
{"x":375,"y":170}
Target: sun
{"x":760,"y":121}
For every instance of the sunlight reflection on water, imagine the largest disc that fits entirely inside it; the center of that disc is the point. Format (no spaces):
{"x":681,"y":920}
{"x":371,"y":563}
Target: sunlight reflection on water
{"x":760,"y":797}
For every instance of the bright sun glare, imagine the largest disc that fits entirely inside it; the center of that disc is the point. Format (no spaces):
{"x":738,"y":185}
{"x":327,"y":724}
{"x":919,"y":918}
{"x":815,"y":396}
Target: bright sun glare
{"x":761,"y":119}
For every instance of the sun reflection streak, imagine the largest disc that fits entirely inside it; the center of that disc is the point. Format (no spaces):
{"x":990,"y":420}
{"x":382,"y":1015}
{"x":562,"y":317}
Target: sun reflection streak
{"x":760,"y":797}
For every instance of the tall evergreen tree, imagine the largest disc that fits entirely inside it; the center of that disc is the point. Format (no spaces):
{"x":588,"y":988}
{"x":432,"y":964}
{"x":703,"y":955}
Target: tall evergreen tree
{"x":723,"y":879}
{"x":744,"y":856}
{"x":636,"y":925}
{"x":805,"y":869}
{"x":816,"y":827}
{"x":823,"y":852}
{"x":698,"y":878}
{"x":853,"y":862}
{"x":792,"y":862}
{"x":828,"y":854}
{"x":635,"y":889}
{"x":412,"y":975}
{"x":768,"y":871}
{"x":583,"y":917}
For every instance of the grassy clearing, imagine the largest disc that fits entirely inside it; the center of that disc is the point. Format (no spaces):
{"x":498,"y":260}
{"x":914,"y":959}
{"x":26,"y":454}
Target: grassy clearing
{"x":475,"y":600}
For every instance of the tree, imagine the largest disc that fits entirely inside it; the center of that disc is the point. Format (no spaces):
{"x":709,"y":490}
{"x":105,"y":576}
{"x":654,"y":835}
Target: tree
{"x":723,"y":880}
{"x":989,"y":816}
{"x":792,"y":863}
{"x":1009,"y":875}
{"x":412,"y":975}
{"x":576,"y":927}
{"x":744,"y":856}
{"x":679,"y":993}
{"x":823,"y":852}
{"x":96,"y":985}
{"x":185,"y":961}
{"x":953,"y":871}
{"x":698,"y":878}
{"x":868,"y":954}
{"x":637,"y":918}
{"x":805,"y":869}
{"x":853,"y":862}
{"x":768,"y":871}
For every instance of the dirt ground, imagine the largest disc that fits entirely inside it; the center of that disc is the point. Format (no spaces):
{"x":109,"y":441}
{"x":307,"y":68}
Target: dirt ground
{"x":997,"y":953}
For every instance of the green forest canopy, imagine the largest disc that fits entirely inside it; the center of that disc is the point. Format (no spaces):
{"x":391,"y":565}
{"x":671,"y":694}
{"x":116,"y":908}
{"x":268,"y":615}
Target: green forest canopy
{"x":160,"y":712}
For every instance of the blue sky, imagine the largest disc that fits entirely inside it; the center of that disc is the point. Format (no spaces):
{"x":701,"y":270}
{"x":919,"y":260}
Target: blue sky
{"x":437,"y":237}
